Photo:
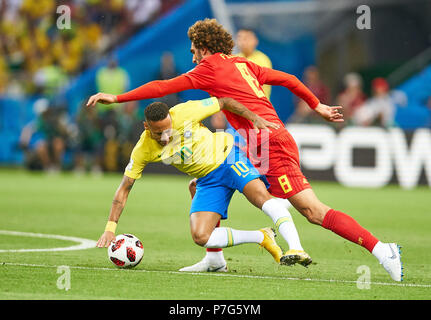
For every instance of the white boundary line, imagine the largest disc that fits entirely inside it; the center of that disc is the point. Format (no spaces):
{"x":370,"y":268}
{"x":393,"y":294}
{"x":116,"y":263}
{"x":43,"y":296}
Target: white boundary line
{"x":83,"y":243}
{"x":227,"y":275}
{"x":86,"y":244}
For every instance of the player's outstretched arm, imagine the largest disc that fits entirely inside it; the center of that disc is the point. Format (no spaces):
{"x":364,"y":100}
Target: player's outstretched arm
{"x":234,"y":106}
{"x":331,"y":114}
{"x":150,"y":90}
{"x":289,"y":81}
{"x":117,"y":207}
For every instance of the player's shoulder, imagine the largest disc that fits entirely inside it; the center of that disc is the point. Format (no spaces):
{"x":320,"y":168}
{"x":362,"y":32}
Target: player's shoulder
{"x":180,"y":108}
{"x":217,"y":58}
{"x":180,"y":112}
{"x":216,"y":61}
{"x":261,"y":54}
{"x":263,"y":57}
{"x":146,"y":147}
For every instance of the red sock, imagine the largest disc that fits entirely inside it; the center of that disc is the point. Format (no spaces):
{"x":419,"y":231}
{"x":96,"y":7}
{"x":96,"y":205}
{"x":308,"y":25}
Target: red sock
{"x":347,"y":227}
{"x":215,"y":249}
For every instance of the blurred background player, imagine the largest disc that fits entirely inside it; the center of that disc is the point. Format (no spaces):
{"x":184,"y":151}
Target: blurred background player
{"x":130,"y":127}
{"x":380,"y":109}
{"x":44,"y":139}
{"x":89,"y":144}
{"x":352,"y":97}
{"x":116,"y":79}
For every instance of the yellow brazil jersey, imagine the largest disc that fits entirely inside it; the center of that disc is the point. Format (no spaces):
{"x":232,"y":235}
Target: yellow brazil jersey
{"x":261,"y":59}
{"x":193,"y":148}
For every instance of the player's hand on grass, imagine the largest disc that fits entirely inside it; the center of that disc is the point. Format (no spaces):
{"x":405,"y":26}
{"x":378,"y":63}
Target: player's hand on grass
{"x":331,"y":114}
{"x":101,"y":97}
{"x":260,"y":123}
{"x":105,"y":239}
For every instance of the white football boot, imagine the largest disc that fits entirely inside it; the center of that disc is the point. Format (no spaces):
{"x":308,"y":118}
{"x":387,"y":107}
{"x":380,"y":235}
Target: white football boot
{"x":205,"y":266}
{"x":392,"y":262}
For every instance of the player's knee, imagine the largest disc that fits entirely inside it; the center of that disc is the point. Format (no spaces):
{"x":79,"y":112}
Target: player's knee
{"x":314,"y":215}
{"x":200,"y":237}
{"x":256,"y":193}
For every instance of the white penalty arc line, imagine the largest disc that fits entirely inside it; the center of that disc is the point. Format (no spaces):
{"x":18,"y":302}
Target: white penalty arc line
{"x":211,"y":274}
{"x":82,"y":243}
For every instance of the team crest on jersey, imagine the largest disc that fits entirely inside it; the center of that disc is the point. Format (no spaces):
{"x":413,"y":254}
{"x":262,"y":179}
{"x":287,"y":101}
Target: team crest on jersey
{"x":207,"y":102}
{"x":187,"y":134}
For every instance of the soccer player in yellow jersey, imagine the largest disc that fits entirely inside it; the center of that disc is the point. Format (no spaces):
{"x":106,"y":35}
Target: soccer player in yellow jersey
{"x":176,"y":136}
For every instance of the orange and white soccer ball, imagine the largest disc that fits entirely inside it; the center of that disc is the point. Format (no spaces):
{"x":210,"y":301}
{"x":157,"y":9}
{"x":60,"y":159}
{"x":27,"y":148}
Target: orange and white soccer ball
{"x":126,"y":251}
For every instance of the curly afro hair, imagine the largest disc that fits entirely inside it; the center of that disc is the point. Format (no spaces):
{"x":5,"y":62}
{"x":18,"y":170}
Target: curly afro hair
{"x":211,"y":35}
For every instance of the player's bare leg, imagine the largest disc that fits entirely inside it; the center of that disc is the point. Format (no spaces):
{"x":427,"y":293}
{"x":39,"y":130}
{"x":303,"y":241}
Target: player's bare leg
{"x":204,"y":233}
{"x":214,"y":260}
{"x":214,"y":256}
{"x":345,"y":226}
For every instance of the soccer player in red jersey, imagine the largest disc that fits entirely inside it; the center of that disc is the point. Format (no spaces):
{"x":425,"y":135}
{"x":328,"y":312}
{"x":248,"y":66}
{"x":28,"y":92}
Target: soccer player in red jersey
{"x":223,"y":75}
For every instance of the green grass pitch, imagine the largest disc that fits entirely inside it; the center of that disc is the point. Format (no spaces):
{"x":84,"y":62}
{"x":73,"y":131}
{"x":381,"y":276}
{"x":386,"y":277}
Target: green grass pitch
{"x":157,"y":213}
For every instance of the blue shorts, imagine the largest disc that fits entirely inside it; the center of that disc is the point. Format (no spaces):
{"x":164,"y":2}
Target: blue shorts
{"x":215,"y":190}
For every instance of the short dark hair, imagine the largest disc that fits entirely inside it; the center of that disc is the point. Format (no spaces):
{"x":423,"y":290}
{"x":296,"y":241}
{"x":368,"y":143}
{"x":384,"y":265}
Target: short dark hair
{"x":156,"y":111}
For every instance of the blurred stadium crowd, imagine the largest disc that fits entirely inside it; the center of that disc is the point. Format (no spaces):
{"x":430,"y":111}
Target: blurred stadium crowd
{"x":37,"y":58}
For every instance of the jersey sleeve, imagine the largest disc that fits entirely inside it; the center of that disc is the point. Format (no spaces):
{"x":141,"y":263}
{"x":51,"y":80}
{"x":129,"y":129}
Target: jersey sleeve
{"x":289,"y":81}
{"x":157,"y":89}
{"x":196,"y":110}
{"x":202,"y":76}
{"x":137,"y":162}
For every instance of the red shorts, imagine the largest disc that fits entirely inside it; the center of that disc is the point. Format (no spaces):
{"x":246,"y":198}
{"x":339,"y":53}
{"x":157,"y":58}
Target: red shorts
{"x":285,"y":186}
{"x":281,"y":166}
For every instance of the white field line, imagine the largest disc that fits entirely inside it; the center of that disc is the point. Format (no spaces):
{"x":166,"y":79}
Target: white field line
{"x":86,"y":244}
{"x":82,"y":243}
{"x":226,"y":275}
